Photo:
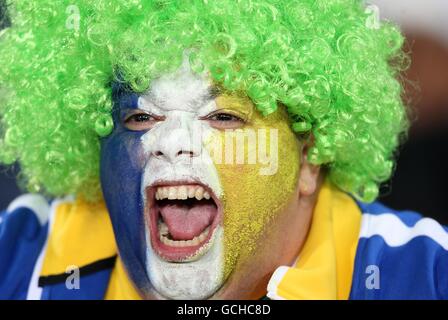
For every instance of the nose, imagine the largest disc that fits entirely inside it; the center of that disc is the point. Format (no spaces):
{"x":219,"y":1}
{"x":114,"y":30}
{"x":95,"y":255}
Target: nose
{"x":173,"y":156}
{"x":175,"y":141}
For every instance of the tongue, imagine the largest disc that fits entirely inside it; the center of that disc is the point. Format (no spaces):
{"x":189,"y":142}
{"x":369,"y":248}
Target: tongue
{"x":186,"y":222}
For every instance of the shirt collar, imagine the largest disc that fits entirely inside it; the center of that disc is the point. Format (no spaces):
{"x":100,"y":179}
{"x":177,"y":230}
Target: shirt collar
{"x":324,"y":268}
{"x":81,"y":234}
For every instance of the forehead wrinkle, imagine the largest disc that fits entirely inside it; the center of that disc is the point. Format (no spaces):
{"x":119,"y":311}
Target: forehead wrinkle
{"x":184,"y":100}
{"x":146,"y":103}
{"x":153,"y":99}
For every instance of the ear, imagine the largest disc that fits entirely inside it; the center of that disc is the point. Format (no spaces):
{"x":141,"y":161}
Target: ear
{"x":309,"y":173}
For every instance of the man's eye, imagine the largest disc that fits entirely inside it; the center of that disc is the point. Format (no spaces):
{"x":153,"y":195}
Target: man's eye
{"x":141,"y":117}
{"x":140,"y":121}
{"x":224,"y":120}
{"x":224,"y":117}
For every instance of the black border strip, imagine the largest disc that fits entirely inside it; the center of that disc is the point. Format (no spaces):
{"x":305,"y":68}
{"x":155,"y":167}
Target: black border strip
{"x":100,"y":265}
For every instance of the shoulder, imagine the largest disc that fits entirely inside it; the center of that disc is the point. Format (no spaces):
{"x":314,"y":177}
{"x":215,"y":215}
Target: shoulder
{"x":36,"y":204}
{"x":23,"y":231}
{"x":406,"y":252}
{"x":399,"y":228}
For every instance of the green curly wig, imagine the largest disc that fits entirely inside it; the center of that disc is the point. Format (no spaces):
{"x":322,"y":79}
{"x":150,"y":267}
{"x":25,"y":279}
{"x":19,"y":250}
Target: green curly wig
{"x":335,"y":72}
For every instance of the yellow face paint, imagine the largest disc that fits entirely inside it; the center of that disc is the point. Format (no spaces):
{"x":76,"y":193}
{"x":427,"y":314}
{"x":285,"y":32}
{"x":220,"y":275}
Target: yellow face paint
{"x":252,"y":193}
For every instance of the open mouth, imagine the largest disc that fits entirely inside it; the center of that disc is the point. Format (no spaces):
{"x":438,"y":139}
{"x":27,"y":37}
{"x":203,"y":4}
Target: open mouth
{"x":182,"y":220}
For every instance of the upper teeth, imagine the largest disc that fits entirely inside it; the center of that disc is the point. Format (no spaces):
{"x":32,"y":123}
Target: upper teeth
{"x":182,"y":192}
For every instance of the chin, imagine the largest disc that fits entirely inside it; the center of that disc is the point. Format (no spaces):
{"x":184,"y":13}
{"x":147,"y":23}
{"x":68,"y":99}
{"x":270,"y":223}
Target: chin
{"x":185,"y":239}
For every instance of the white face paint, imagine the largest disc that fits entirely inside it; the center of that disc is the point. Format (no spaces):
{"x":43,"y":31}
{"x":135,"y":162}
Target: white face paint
{"x":175,"y":151}
{"x":196,"y":280}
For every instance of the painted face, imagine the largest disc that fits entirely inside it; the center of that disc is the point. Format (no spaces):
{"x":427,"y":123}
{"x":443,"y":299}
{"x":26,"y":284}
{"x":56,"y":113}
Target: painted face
{"x":193,"y":178}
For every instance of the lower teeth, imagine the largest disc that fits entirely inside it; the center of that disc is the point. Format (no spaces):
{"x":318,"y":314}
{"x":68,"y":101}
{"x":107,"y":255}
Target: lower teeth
{"x":164,"y":233}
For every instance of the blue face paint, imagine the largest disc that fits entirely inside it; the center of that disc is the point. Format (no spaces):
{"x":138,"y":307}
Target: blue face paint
{"x":121,"y":170}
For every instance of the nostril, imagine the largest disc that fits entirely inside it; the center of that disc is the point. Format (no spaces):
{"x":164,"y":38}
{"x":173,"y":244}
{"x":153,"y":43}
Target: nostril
{"x":186,"y":153}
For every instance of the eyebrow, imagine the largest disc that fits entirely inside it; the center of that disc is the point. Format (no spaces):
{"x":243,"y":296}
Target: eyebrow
{"x":214,"y":92}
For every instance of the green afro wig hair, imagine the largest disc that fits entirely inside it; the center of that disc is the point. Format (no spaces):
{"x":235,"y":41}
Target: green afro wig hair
{"x":327,"y":62}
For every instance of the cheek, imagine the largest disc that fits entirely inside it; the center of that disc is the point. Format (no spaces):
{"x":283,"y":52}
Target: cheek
{"x":122,"y":165}
{"x":121,"y":161}
{"x":252,"y":199}
{"x":121,"y":171}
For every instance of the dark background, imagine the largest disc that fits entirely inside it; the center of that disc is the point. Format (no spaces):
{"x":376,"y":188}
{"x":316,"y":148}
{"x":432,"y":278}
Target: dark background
{"x":420,"y":179}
